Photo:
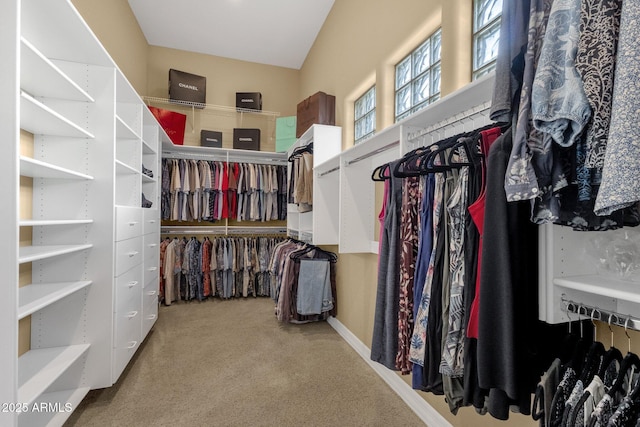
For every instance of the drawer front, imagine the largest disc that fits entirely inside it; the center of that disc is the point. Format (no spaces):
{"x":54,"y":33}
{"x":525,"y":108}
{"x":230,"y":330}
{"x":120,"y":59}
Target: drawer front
{"x":129,"y":290}
{"x":151,"y":248}
{"x":151,"y":219}
{"x":128,"y":254}
{"x":122,"y":357}
{"x":149,"y":308}
{"x":128,"y":222}
{"x":128,"y":327}
{"x":151,"y":272}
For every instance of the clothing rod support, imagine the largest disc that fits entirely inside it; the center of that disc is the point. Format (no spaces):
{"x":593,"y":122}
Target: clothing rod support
{"x":594,"y":313}
{"x":372,"y":153}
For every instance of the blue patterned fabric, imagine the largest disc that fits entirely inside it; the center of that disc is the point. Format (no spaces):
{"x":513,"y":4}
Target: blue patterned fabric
{"x":621,"y":174}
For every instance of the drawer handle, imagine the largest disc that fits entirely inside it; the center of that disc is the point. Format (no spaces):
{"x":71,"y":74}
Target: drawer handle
{"x":153,"y":245}
{"x":152,"y":221}
{"x":150,"y":293}
{"x":152,"y":268}
{"x":133,"y":253}
{"x":132,"y":283}
{"x":132,"y":345}
{"x":152,"y":317}
{"x":131,"y":315}
{"x":132,"y":223}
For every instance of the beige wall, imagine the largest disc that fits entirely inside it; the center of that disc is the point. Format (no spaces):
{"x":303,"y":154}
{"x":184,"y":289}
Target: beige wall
{"x":117,"y":29}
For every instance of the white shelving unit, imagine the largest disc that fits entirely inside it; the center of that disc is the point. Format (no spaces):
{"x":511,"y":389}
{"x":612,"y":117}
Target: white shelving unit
{"x":316,"y":226}
{"x":91,"y":134}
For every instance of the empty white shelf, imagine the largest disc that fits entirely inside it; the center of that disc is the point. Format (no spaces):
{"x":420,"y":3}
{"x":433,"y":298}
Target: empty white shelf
{"x":62,"y":400}
{"x":34,"y":253}
{"x":37,"y":118}
{"x":37,"y":296}
{"x":39,"y":169}
{"x":124,"y":131}
{"x":602,"y":285}
{"x":125,"y":169}
{"x":147,"y":149}
{"x":42,"y":222}
{"x":41,"y":77}
{"x":38,"y":369}
{"x":146,"y":178}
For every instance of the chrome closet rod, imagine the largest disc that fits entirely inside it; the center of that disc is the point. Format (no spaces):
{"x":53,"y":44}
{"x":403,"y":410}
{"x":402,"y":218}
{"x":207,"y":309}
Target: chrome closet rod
{"x":607,"y":316}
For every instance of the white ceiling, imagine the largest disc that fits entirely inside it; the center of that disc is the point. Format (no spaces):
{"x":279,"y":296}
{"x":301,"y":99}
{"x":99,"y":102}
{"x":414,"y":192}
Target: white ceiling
{"x":273,"y":32}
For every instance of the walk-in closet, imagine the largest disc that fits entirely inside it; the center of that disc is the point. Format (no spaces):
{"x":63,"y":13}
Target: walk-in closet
{"x":321,"y":213}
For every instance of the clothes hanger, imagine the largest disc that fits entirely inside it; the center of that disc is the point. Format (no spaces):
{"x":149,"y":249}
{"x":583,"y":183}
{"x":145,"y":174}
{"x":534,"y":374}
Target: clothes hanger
{"x":613,"y":354}
{"x":631,"y":360}
{"x":381,"y":173}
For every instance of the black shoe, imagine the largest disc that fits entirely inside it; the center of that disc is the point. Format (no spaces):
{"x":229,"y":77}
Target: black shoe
{"x":147,"y":172}
{"x":146,"y":203}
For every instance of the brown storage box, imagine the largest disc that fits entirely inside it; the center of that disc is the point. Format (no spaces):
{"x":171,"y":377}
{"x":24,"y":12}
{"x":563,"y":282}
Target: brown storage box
{"x":246,"y":139}
{"x":319,"y":109}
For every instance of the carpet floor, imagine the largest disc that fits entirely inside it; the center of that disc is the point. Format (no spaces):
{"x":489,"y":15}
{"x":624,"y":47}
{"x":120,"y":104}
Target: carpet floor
{"x":231,"y":363}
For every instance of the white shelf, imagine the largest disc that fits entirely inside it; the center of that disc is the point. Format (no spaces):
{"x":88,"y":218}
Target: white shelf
{"x":38,"y":369}
{"x":71,"y":398}
{"x":603,"y":286}
{"x":38,"y":169}
{"x":44,"y":222}
{"x":124,"y":131}
{"x":37,"y":118}
{"x":35,"y":253}
{"x":125,"y":169}
{"x":146,"y":179}
{"x":146,"y":148}
{"x":37,"y":296}
{"x":223,"y":154}
{"x":39,"y":76}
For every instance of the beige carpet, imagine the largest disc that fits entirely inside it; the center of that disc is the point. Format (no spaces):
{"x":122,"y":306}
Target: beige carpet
{"x":231,"y":363}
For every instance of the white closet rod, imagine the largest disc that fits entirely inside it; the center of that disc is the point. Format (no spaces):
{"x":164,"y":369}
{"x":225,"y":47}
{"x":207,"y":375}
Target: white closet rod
{"x":224,"y":158}
{"x":594,"y":313}
{"x":329,"y":171}
{"x":479,"y":111}
{"x":373,"y":153}
{"x":222,"y":229}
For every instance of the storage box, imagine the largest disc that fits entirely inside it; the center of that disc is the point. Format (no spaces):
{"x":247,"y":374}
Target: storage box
{"x":249,"y":100}
{"x":187,"y":87}
{"x":173,"y":123}
{"x":319,"y":108}
{"x":246,"y":139}
{"x":285,"y":133}
{"x":210,"y":138}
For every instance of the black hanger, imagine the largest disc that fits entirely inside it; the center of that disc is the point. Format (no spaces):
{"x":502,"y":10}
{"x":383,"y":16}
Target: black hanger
{"x":613,"y":354}
{"x":629,"y":361}
{"x":593,"y":362}
{"x":299,"y":151}
{"x":381,"y":173}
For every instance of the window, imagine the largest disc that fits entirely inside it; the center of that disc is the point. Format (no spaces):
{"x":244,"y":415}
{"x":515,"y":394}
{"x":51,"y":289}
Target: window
{"x":418,"y":77}
{"x":365,"y":115}
{"x":486,"y":35}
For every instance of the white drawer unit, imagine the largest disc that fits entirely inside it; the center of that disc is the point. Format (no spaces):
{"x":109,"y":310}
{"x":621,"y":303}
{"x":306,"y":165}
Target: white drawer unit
{"x":129,"y":222}
{"x":128,"y":254}
{"x":151,"y":272}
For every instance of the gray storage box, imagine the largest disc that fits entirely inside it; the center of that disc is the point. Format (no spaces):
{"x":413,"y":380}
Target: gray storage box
{"x":246,"y":139}
{"x":211,"y":138}
{"x":249,"y":101}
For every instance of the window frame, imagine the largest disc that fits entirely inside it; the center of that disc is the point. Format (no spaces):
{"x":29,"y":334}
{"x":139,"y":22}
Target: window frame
{"x":433,"y":71}
{"x":357,"y":119}
{"x":489,"y":26}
